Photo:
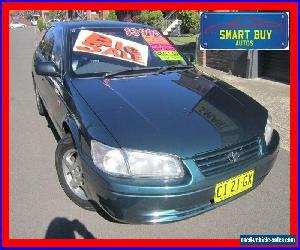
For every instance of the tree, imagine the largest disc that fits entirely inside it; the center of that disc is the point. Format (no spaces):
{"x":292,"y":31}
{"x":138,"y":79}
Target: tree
{"x":53,"y":14}
{"x":127,"y":15}
{"x":112,"y":15}
{"x":40,"y":24}
{"x":153,"y":18}
{"x":57,"y":14}
{"x":27,"y":15}
{"x":190,"y":21}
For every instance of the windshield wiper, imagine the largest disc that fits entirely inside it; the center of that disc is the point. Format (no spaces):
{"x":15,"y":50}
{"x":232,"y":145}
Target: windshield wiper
{"x":131,"y":71}
{"x":140,"y":70}
{"x":174,"y":67}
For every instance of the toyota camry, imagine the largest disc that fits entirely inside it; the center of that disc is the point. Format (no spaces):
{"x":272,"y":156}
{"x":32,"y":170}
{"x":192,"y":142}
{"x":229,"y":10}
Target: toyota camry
{"x":145,"y":136}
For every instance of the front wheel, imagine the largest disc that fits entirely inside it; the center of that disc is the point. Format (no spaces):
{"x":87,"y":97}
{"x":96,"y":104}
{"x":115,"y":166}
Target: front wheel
{"x":69,"y":171}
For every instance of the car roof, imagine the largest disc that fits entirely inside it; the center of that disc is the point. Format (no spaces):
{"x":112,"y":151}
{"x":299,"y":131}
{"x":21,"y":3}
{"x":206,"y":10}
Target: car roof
{"x":91,"y":24}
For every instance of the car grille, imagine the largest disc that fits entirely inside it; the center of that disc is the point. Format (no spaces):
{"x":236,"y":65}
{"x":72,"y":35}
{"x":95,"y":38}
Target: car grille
{"x":219,"y":161}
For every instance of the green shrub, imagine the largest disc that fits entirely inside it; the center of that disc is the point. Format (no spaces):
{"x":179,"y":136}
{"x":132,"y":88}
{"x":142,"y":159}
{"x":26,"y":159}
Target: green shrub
{"x":153,"y":18}
{"x":190,"y":21}
{"x":40,"y":24}
{"x":53,"y":14}
{"x":112,"y":15}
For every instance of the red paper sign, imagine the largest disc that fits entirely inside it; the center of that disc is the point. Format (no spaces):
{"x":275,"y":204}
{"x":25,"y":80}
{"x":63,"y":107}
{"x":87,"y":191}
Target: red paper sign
{"x":111,"y":46}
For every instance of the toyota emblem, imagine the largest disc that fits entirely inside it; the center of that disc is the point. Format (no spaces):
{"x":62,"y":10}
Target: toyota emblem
{"x":233,"y":157}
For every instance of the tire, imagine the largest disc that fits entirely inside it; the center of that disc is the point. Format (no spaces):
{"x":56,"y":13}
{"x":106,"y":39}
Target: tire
{"x":69,"y":172}
{"x":39,"y":103}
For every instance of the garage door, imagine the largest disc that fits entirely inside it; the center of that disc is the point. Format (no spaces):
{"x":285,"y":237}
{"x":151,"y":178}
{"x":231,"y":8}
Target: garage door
{"x":234,"y":62}
{"x":275,"y":65}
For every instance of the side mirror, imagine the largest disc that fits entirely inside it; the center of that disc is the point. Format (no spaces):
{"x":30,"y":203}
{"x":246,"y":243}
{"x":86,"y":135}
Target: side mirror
{"x":46,"y":69}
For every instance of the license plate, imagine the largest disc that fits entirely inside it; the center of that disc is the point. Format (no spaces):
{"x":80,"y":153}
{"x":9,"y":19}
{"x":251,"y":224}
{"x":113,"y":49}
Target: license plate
{"x":233,"y":186}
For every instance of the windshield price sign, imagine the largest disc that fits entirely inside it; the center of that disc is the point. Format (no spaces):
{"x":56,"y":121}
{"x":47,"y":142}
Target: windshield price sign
{"x":247,"y":30}
{"x":111,"y":46}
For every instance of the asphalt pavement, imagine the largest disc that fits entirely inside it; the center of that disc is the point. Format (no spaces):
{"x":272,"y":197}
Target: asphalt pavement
{"x":39,"y":208}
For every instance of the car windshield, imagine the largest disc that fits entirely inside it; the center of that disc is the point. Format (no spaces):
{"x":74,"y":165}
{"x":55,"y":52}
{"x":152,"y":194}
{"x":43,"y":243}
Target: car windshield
{"x":102,"y":51}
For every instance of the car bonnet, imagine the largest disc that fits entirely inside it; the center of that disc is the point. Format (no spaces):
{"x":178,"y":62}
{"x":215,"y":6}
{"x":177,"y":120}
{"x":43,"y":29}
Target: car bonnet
{"x":180,"y":113}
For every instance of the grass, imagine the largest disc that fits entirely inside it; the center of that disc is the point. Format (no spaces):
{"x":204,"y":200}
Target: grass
{"x":181,"y":40}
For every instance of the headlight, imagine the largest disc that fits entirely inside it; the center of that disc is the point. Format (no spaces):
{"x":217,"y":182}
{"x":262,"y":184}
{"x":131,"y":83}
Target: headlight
{"x":268,"y":130}
{"x":133,"y":163}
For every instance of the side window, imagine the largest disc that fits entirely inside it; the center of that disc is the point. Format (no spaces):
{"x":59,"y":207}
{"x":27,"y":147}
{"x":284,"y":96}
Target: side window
{"x":46,"y":45}
{"x":57,"y":47}
{"x":51,"y":46}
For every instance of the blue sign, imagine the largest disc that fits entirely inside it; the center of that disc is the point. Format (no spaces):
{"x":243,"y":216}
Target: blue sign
{"x":244,"y":30}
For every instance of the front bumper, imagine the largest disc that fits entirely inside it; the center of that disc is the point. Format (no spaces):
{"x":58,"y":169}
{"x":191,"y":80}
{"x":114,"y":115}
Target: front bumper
{"x":136,"y":203}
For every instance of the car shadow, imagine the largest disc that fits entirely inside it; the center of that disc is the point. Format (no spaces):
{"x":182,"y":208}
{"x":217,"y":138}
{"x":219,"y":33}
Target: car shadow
{"x":62,"y":228}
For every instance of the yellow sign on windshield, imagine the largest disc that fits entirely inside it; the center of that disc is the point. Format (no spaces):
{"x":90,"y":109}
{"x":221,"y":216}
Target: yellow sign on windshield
{"x":162,"y":48}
